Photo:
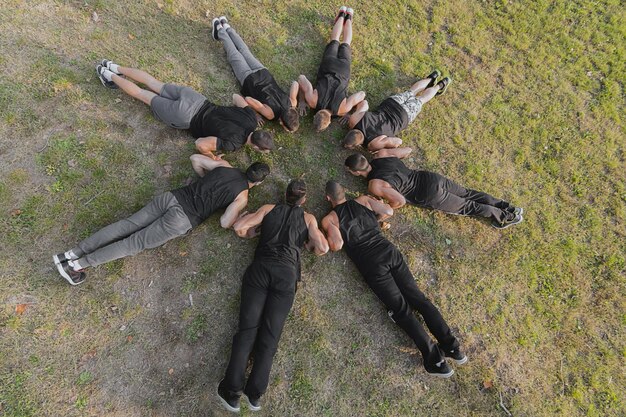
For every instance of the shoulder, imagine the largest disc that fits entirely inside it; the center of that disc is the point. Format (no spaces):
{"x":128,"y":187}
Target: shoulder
{"x":309,"y":218}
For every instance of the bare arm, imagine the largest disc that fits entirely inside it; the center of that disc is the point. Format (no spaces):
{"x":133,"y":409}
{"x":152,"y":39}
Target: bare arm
{"x":232,"y":211}
{"x":383,"y":189}
{"x":397,"y":152}
{"x":293,"y":93}
{"x":383,"y":211}
{"x":206,"y":146}
{"x":251,"y":221}
{"x":330,"y":225}
{"x":317,"y":242}
{"x":239,"y":101}
{"x":358,"y":114}
{"x":350,"y":102}
{"x":307,"y":91}
{"x":260,"y":108}
{"x":384,"y":142}
{"x":201,"y":164}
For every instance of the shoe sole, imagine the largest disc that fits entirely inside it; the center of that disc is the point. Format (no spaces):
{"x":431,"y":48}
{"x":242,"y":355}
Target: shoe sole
{"x":508,"y":225}
{"x":64,"y":274}
{"x":56,"y":260}
{"x":448,"y":375}
{"x":225,"y":403}
{"x":250,"y":406}
{"x":213,"y":29}
{"x":459,"y":361}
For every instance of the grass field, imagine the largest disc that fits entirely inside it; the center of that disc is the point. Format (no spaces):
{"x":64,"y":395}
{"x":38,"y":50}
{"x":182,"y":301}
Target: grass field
{"x":535,"y":115}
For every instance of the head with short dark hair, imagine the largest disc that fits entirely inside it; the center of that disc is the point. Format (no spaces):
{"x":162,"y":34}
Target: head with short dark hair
{"x":353,"y":139}
{"x":257,"y":172}
{"x":321,"y":120}
{"x":356,"y":163}
{"x":296,"y":193}
{"x":290,"y":120}
{"x":335,"y":191}
{"x":262,"y":140}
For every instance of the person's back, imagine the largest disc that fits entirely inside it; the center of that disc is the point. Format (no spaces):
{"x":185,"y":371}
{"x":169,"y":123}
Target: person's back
{"x":388,"y":119}
{"x":283,"y":233}
{"x":216,"y":190}
{"x":230,"y":124}
{"x":393,"y":171}
{"x":262,"y":86}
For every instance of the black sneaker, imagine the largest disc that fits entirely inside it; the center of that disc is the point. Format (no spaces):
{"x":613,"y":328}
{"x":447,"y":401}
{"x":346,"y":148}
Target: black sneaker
{"x":71,"y":276}
{"x":254,"y":404}
{"x":508,"y":223}
{"x":440,"y":370}
{"x":433,"y":78}
{"x":229,"y":401}
{"x":457,"y":356}
{"x":108,"y":84}
{"x":515,"y":210}
{"x":443,"y":85}
{"x":216,"y":23}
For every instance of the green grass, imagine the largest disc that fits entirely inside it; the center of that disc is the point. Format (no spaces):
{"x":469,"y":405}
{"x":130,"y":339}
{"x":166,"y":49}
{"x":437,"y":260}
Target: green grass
{"x":535,"y":115}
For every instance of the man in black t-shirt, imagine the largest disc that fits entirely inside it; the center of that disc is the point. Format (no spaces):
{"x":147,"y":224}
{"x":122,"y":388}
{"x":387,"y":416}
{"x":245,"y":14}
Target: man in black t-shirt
{"x":353,"y":226}
{"x":377,"y":129}
{"x":390,"y":179}
{"x":167,"y":216}
{"x":258,"y":86}
{"x":330,"y":95}
{"x":216,"y":128}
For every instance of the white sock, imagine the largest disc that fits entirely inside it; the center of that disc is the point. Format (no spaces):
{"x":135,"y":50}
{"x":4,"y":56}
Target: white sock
{"x":75,"y":266}
{"x":225,"y":26}
{"x":114,"y":68}
{"x":70,"y":255}
{"x":108,"y":75}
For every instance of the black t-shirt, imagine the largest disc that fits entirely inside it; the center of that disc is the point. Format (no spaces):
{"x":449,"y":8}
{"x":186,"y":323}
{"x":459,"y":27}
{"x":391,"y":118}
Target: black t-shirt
{"x":392,"y":170}
{"x":216,"y":190}
{"x":262,"y":86}
{"x":230,"y":124}
{"x":388,"y":119}
{"x":333,"y":77}
{"x":283,"y":233}
{"x":363,"y":241}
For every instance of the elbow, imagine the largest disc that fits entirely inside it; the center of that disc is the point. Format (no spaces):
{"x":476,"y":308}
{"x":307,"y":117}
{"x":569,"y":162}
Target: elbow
{"x":322,"y":250}
{"x":335,"y":246}
{"x":225,"y":223}
{"x":389,"y":212}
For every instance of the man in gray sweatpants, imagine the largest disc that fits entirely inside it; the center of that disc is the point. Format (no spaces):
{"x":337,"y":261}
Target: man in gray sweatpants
{"x":258,"y":86}
{"x":167,"y":216}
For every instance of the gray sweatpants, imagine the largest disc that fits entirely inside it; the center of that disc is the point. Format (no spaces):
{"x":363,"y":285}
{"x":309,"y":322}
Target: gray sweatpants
{"x":239,"y":56}
{"x":161,"y":220}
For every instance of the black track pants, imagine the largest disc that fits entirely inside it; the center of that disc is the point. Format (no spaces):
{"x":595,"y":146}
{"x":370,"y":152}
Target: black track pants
{"x":395,"y":286}
{"x":438,"y":192}
{"x":267,"y":294}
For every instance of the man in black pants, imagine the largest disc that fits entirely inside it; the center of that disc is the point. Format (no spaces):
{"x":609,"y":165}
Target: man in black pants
{"x":224,"y":128}
{"x":258,"y":86}
{"x":390,"y":179}
{"x":375,"y":130}
{"x":267,"y":291}
{"x":330,"y":96}
{"x":353,"y":225}
{"x":167,"y":216}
